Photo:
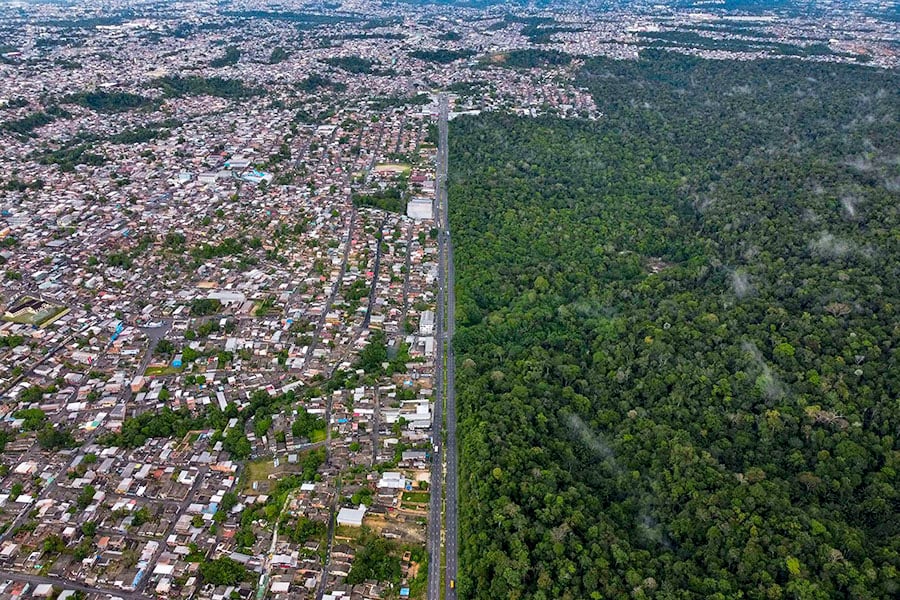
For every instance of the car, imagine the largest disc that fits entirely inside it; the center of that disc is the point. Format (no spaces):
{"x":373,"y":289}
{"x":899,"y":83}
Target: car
{"x":452,"y":584}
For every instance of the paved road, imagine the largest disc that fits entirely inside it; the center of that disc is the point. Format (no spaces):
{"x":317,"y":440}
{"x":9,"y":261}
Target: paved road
{"x":373,"y":291}
{"x":451,"y":516}
{"x":334,"y":292}
{"x":67,"y":584}
{"x":320,"y":592}
{"x":451,"y":525}
{"x":151,"y":564}
{"x":444,"y":465}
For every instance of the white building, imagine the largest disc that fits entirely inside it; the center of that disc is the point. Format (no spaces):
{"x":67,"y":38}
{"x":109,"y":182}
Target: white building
{"x":420,"y":209}
{"x":392,"y":480}
{"x":352,"y":517}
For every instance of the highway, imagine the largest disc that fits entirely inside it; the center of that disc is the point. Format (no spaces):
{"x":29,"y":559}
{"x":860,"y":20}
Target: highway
{"x":451,"y":517}
{"x":444,"y":484}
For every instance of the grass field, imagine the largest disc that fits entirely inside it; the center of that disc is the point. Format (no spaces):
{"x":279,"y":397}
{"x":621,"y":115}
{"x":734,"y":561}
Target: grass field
{"x":162,"y":371}
{"x":346,"y":532}
{"x":258,"y":470}
{"x":392,"y":168}
{"x":422,"y":497}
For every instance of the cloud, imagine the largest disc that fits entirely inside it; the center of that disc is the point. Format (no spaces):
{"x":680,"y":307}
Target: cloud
{"x":648,"y":527}
{"x":850,"y":206}
{"x":829,"y":246}
{"x":592,"y":440}
{"x":740,"y":284}
{"x":860,"y":164}
{"x":767,"y":380}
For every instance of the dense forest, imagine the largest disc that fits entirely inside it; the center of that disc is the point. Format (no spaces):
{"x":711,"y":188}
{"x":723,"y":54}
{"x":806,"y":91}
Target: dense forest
{"x":231,"y":57}
{"x":109,"y":102}
{"x":351,"y":64}
{"x":178,"y":87}
{"x":677,"y":336}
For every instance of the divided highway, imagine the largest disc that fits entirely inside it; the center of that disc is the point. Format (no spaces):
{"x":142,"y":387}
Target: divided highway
{"x":443,"y":529}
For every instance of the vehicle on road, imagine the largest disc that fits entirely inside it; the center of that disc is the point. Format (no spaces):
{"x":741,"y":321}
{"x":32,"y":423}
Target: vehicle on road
{"x":452,"y":584}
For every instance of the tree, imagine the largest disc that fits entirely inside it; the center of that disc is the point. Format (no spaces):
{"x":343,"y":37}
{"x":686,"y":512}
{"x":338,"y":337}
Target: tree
{"x":305,"y":424}
{"x":164,"y":348}
{"x":89,"y":528}
{"x":222,"y":571}
{"x":374,"y":354}
{"x":34,"y":418}
{"x":54,"y":544}
{"x":374,"y":560}
{"x":86,"y":496}
{"x":205,"y":306}
{"x":237,"y":444}
{"x":140,"y":517}
{"x":52,"y":438}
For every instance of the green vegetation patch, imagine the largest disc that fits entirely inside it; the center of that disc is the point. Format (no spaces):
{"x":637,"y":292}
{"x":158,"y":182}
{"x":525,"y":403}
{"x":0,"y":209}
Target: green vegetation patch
{"x":223,"y":571}
{"x":420,"y":497}
{"x":278,"y":55}
{"x":676,"y":336}
{"x":685,"y":38}
{"x":162,"y":371}
{"x":110,"y":102}
{"x":231,"y":57}
{"x":318,"y":435}
{"x":528,"y":59}
{"x":27,"y":124}
{"x":389,"y":199}
{"x":351,"y":64}
{"x":177,"y":86}
{"x":258,"y":471}
{"x":316,"y":82}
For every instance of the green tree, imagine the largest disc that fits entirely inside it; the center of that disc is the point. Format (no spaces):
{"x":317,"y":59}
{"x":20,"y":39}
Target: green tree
{"x":223,"y":571}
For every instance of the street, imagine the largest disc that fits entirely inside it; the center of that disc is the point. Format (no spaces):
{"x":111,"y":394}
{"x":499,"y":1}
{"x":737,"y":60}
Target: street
{"x":71,"y":585}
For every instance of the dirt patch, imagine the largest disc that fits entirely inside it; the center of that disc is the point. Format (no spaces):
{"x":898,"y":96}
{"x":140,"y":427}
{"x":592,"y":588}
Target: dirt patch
{"x":402,"y":528}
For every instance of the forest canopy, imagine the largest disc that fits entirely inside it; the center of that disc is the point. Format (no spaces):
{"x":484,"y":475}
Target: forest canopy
{"x":677,"y":336}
